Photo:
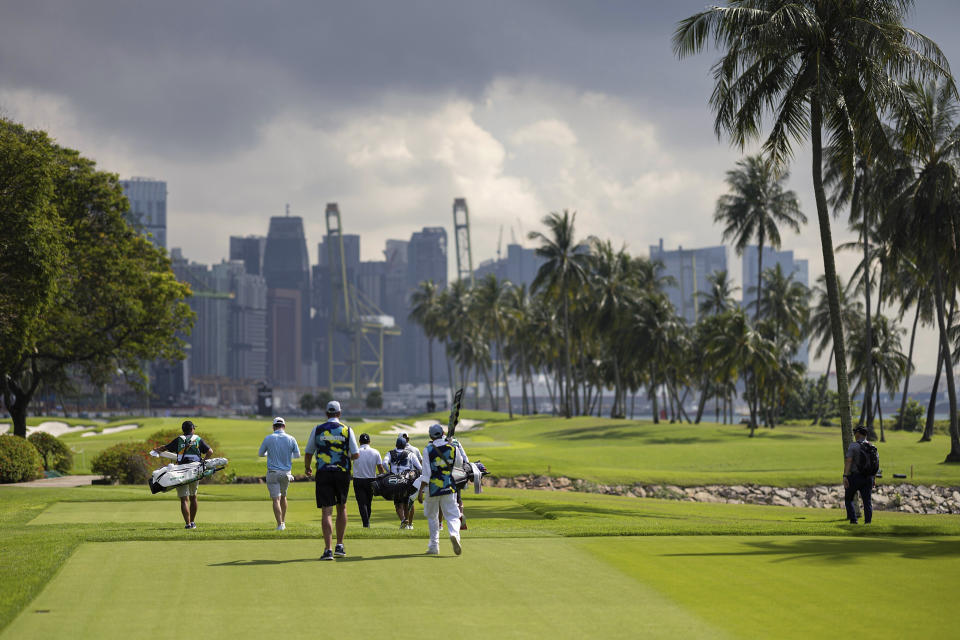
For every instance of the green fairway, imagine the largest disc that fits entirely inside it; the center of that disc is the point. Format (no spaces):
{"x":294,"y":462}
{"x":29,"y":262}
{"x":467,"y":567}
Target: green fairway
{"x":662,"y":587}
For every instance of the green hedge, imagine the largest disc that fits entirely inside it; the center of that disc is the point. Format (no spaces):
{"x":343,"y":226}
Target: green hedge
{"x":19,"y":460}
{"x":56,"y":455}
{"x":125,"y":462}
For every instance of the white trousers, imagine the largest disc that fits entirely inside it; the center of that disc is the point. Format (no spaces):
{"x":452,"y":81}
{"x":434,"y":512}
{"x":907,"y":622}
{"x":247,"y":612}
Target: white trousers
{"x":451,"y":513}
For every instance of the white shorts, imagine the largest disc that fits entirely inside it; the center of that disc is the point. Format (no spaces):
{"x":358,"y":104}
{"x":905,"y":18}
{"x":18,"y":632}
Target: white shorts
{"x":277,"y":483}
{"x":190,"y":489}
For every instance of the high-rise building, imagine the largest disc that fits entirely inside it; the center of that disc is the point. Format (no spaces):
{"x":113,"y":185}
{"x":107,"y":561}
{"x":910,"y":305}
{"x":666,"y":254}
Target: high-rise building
{"x":286,"y":269}
{"x":795,"y":267}
{"x":249,"y":250}
{"x":148,"y":207}
{"x":211,"y":303}
{"x":426,"y":260}
{"x":689,"y":269}
{"x":519,"y":267}
{"x":247,"y":339}
{"x":395,"y":304}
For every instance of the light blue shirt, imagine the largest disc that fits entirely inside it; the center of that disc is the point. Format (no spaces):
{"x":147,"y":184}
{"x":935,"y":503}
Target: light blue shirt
{"x":280,"y":449}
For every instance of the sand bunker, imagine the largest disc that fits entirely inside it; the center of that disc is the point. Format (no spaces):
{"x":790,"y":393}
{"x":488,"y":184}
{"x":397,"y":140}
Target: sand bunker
{"x":123,"y":427}
{"x":421,"y":427}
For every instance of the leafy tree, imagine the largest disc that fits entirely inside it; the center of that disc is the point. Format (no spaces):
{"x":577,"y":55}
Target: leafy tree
{"x":307,"y":403}
{"x":31,"y":248}
{"x":814,"y":66}
{"x":116,"y":304}
{"x":425,"y":311}
{"x":375,"y":399}
{"x":56,"y":455}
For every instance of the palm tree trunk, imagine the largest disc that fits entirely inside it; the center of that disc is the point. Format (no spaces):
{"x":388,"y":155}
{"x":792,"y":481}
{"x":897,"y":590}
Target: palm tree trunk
{"x":868,"y":355}
{"x":954,"y":455}
{"x":566,"y":357}
{"x":702,"y":404}
{"x":533,"y":392}
{"x":880,"y":414}
{"x":906,"y":379}
{"x":932,"y":404}
{"x":756,"y":315}
{"x":830,"y":271}
{"x":653,"y":393}
{"x":616,"y":388}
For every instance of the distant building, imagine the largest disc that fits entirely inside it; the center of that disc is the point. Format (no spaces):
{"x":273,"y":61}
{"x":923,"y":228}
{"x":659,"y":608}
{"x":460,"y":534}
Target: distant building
{"x":519,"y":267}
{"x":286,"y":269}
{"x":148,"y":207}
{"x":395,"y":303}
{"x":211,"y":302}
{"x":689,"y":269}
{"x":426,"y":260}
{"x":249,"y":250}
{"x":789,"y":265}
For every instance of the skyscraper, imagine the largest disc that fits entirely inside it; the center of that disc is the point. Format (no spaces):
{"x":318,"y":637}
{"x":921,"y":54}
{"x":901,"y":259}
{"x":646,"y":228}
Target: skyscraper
{"x":286,"y":270}
{"x":689,"y":269}
{"x":148,"y":207}
{"x":249,"y":250}
{"x":519,"y":267}
{"x":426,"y":260}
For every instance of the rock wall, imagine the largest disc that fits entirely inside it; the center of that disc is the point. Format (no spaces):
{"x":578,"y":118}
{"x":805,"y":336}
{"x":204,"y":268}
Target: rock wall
{"x":891,"y":497}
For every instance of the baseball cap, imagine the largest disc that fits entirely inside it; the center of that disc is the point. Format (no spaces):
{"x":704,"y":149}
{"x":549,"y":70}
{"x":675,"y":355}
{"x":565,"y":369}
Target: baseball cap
{"x":364,"y":438}
{"x":436,"y":431}
{"x":333,"y":407}
{"x":860,"y":430}
{"x":279,"y":420}
{"x":401,"y":443}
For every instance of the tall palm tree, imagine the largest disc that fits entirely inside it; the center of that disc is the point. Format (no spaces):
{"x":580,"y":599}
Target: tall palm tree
{"x":755,"y":209}
{"x":491,"y":303}
{"x":613,"y":283}
{"x":815,"y":66}
{"x":563,"y":271}
{"x":785,"y":305}
{"x":821,"y":327}
{"x":425,"y":311}
{"x":720,"y":296}
{"x":929,"y":127}
{"x":912,"y":290}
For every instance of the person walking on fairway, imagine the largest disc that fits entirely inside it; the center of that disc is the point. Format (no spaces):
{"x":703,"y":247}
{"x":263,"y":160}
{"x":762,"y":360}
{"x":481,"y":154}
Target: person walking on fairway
{"x":336,"y":448}
{"x":401,"y":462}
{"x":280,"y":449}
{"x":440,"y":457}
{"x":364,"y":473}
{"x":412,"y":450}
{"x":189,"y":448}
{"x":857,"y":479}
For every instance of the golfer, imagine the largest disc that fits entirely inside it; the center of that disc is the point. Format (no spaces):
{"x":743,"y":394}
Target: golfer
{"x":188,"y":447}
{"x":336,"y":448}
{"x":401,"y":462}
{"x":440,"y":457}
{"x":364,"y":473}
{"x":856,"y":480}
{"x":280,"y":449}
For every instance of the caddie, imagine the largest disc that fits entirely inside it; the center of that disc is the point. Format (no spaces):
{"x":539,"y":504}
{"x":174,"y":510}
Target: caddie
{"x":336,"y":448}
{"x":440,"y":457}
{"x":189,"y":447}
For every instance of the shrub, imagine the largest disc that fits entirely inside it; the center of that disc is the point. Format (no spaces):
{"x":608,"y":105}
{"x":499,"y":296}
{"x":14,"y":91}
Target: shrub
{"x":19,"y":460}
{"x":913,"y":414}
{"x":56,"y":455}
{"x":375,"y":399}
{"x":125,"y":462}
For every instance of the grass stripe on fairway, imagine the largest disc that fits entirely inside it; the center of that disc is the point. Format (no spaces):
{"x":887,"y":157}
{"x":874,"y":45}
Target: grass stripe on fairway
{"x":799,"y":587}
{"x":499,"y":588}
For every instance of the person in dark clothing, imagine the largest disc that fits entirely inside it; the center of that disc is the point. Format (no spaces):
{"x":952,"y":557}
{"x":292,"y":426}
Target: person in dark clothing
{"x":188,"y":447}
{"x":365,"y":471}
{"x":856,"y":480}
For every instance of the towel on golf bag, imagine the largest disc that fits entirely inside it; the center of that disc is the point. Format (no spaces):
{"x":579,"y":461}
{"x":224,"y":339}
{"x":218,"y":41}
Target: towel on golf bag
{"x":469,"y":471}
{"x":391,"y":486}
{"x":174,"y":475}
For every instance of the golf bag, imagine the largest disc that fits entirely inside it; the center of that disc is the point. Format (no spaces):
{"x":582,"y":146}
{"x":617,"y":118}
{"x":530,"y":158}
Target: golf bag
{"x":175,"y":475}
{"x":392,"y":486}
{"x":469,"y":472}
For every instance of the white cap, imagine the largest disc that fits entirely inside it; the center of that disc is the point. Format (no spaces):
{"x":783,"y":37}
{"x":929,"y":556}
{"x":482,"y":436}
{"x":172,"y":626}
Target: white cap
{"x":333,"y":407}
{"x":279,"y":420}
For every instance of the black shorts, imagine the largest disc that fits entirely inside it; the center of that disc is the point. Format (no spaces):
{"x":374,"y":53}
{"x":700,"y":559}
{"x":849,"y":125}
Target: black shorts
{"x":333,"y":487}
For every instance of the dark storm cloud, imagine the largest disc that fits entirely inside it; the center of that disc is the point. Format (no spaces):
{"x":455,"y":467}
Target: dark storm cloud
{"x":200,"y":77}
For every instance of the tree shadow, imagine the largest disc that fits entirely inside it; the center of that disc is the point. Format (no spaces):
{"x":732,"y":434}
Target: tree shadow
{"x":350,"y":558}
{"x":553,"y":511}
{"x":840,"y":550}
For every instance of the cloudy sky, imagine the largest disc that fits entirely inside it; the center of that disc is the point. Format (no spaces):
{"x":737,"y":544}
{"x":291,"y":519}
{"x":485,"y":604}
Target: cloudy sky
{"x":392,"y":109}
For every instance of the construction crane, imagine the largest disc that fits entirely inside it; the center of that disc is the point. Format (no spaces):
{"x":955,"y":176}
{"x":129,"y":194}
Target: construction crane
{"x":357,"y":328}
{"x":500,"y":242}
{"x":461,"y":236}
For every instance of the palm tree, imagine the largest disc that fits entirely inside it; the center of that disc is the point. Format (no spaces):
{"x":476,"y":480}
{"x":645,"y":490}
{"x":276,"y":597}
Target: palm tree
{"x":888,"y":361}
{"x":755,"y":208}
{"x":720,"y":297}
{"x":562,"y":273}
{"x":925,"y":219}
{"x":425,"y":311}
{"x":816,"y":65}
{"x":491,"y":304}
{"x":613,"y":283}
{"x":785,"y":305}
{"x":820,"y":326}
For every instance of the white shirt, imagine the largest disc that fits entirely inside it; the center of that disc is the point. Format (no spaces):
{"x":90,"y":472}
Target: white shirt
{"x":366,"y":465}
{"x":415,"y":452}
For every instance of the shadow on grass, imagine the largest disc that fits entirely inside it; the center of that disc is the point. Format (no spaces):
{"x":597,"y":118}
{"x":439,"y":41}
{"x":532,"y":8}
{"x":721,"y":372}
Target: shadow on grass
{"x":840,"y":550}
{"x":352,"y":558}
{"x":552,"y":511}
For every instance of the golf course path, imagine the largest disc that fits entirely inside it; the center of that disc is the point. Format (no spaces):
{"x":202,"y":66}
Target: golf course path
{"x":56,"y":483}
